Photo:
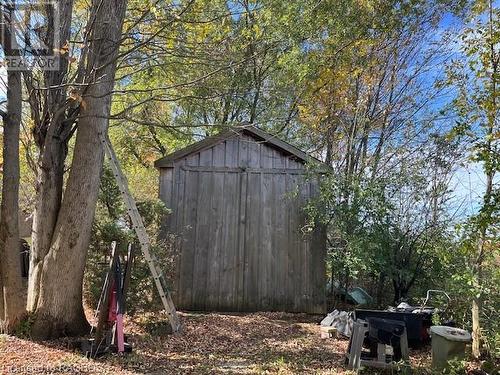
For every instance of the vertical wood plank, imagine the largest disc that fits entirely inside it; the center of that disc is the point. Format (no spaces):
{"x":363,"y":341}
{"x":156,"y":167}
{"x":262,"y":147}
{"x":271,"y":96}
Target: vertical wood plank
{"x":290,"y":243}
{"x":216,"y":228}
{"x":177,"y":208}
{"x":229,"y":250}
{"x":206,"y":158}
{"x":305,"y":250}
{"x":165,"y":193}
{"x":204,"y":203}
{"x":193,"y":160}
{"x":189,"y":236}
{"x":224,"y":278}
{"x":253,"y":154}
{"x":232,"y":160}
{"x":166,"y":185}
{"x":215,"y":246}
{"x":252,"y":241}
{"x":175,"y":233}
{"x":266,"y":161}
{"x":242,"y":263}
{"x":234,"y":217}
{"x":294,"y":267}
{"x":243,"y":158}
{"x":266,"y":157}
{"x":318,"y":258}
{"x":203,"y":233}
{"x":254,"y":271}
{"x":279,"y":160}
{"x":232,"y":145}
{"x":279,"y":245}
{"x":265,"y":292}
{"x":280,"y":250}
{"x":219,"y":154}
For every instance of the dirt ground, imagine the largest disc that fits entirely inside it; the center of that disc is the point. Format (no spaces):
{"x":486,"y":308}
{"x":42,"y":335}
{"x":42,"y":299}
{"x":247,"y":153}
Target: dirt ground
{"x":260,"y":343}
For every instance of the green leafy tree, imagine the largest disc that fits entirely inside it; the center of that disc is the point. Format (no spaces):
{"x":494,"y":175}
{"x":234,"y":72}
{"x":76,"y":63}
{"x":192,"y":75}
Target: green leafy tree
{"x":475,"y":77}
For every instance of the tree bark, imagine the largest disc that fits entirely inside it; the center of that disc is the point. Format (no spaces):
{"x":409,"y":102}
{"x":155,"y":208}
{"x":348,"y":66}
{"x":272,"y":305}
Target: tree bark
{"x":476,"y":327}
{"x":10,"y":262}
{"x":51,"y":134}
{"x":59,"y":309}
{"x":10,"y":266}
{"x":49,"y":194}
{"x":380,"y":289}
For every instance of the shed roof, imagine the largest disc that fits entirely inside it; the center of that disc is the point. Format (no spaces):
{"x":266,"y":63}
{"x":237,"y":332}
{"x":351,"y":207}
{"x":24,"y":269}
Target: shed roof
{"x":254,"y":132}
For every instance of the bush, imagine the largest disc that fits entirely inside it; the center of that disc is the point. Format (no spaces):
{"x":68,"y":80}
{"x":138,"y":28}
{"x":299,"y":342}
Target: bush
{"x":111,"y":223}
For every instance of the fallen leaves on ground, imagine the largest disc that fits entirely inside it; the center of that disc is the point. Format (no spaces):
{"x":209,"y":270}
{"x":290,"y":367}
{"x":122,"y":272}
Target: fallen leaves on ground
{"x":210,"y":343}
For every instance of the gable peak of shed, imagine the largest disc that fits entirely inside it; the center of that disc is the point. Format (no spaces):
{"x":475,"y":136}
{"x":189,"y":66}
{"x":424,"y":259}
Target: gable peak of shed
{"x":254,"y":132}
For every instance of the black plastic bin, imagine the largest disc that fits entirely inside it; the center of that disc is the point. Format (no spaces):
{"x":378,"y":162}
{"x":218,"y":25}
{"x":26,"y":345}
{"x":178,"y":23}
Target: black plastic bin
{"x":417,"y":324}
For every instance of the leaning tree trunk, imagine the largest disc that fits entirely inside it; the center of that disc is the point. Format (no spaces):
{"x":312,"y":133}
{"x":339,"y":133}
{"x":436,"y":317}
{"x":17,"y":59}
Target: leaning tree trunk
{"x":59,"y":308}
{"x":49,"y":194}
{"x":10,"y":266}
{"x":51,"y":135}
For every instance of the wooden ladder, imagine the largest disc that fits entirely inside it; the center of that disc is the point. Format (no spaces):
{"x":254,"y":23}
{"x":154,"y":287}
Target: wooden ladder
{"x":140,"y":230}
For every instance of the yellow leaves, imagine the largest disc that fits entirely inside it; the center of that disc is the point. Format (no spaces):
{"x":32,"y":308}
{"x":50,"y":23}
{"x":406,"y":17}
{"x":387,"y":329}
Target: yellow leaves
{"x":64,"y":51}
{"x":150,"y":158}
{"x":156,"y":12}
{"x":479,"y":7}
{"x":366,"y":5}
{"x":77,"y":98}
{"x":258,"y":32}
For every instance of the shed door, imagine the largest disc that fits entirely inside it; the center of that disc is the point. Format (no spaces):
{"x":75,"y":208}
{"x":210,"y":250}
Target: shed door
{"x":211,"y":239}
{"x":242,"y":247}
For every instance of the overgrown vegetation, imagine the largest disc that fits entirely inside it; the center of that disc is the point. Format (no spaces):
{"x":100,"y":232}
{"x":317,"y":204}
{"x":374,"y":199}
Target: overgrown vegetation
{"x":112,"y":224}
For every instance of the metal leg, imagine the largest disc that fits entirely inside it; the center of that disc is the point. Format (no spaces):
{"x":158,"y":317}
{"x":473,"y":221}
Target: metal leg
{"x":356,"y":344}
{"x":381,"y":353}
{"x":360,"y":328}
{"x":404,"y":346}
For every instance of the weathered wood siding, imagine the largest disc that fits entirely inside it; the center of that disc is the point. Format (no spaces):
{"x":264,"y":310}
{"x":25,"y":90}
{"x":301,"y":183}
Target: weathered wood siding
{"x":237,"y":210}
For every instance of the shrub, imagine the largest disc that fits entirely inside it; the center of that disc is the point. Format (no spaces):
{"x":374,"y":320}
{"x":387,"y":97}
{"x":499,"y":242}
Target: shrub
{"x":111,"y":223}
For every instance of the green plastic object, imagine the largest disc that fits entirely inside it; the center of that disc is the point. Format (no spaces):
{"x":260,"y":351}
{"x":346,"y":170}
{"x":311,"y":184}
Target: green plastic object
{"x":448,"y":343}
{"x":360,"y":296}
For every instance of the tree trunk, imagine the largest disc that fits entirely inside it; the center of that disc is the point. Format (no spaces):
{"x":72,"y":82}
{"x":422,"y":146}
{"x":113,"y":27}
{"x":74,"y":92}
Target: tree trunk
{"x":51,"y":134}
{"x":10,"y":266}
{"x":397,"y":294}
{"x":476,"y":327}
{"x":49,"y":195}
{"x":59,"y":308}
{"x":380,"y":289}
{"x":398,"y":291}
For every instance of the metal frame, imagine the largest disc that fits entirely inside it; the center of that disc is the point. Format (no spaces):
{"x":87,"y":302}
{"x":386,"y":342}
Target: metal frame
{"x":353,"y":355}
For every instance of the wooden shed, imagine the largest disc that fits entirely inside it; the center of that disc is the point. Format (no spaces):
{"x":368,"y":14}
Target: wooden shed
{"x":237,"y":202}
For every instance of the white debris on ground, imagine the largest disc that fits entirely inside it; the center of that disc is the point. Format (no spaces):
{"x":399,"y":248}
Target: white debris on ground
{"x":341,"y":320}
